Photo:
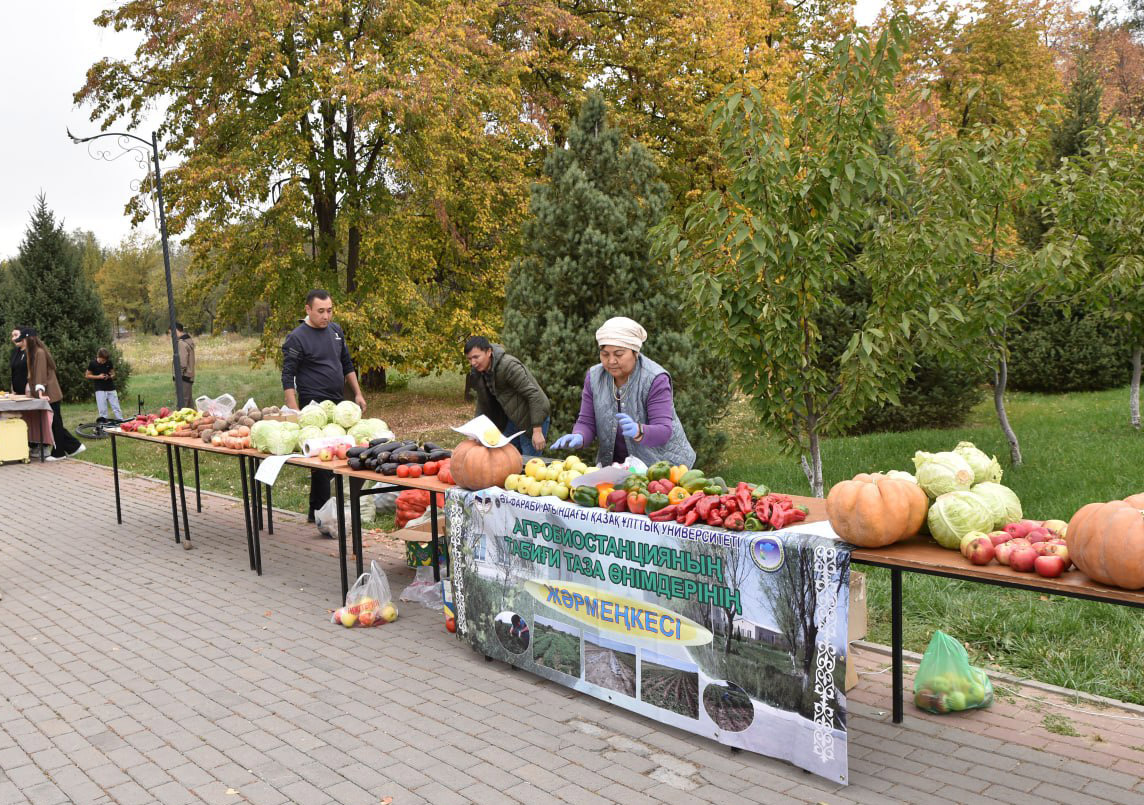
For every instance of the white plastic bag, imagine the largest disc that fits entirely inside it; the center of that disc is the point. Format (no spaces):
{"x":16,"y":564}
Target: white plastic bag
{"x":423,"y":590}
{"x":326,"y":518}
{"x":369,"y":601}
{"x":251,"y":405}
{"x":220,"y":406}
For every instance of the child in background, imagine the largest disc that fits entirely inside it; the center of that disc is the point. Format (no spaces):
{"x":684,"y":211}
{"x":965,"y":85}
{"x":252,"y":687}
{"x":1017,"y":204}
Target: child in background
{"x":103,"y":373}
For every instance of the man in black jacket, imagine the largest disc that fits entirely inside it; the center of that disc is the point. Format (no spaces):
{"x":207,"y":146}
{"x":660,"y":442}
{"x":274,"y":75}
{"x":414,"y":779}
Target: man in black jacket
{"x":316,"y":366}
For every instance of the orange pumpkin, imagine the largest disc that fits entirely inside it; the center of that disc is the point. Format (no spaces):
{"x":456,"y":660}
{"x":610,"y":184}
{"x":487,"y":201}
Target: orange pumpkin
{"x":475,"y":466}
{"x":872,"y":511}
{"x":1106,"y":541}
{"x":1136,"y":500}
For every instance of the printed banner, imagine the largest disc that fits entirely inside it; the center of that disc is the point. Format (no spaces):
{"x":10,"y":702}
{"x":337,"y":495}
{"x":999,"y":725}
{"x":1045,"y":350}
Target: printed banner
{"x":740,"y":637}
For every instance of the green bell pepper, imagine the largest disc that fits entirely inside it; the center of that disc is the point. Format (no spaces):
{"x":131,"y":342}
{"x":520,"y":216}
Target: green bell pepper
{"x":634,"y":482}
{"x":655,"y":502}
{"x":659,"y":470}
{"x":585,"y":496}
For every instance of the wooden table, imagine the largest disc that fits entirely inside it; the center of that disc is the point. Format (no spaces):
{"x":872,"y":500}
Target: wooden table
{"x":922,"y":555}
{"x":251,"y":494}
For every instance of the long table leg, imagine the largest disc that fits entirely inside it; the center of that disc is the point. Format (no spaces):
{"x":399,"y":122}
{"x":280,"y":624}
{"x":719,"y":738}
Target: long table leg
{"x":435,"y":545}
{"x":115,"y":473}
{"x":896,"y":639}
{"x":256,"y":515}
{"x":269,"y":510}
{"x":340,"y":493}
{"x":183,"y":497}
{"x":198,"y":486}
{"x":246,"y":510}
{"x":356,"y":485}
{"x":171,"y":486}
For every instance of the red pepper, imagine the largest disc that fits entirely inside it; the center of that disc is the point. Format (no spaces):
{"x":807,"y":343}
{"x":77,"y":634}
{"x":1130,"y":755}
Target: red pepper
{"x":705,"y":504}
{"x":617,"y":501}
{"x":690,"y":517}
{"x":734,"y":521}
{"x":664,"y":514}
{"x":690,"y":503}
{"x":715,"y":520}
{"x":743,"y":496}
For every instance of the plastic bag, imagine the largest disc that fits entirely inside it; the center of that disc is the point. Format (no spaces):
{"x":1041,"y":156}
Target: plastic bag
{"x":326,"y":518}
{"x":251,"y":405}
{"x":946,"y":682}
{"x":219,"y":406}
{"x":368,"y":602}
{"x":423,"y":590}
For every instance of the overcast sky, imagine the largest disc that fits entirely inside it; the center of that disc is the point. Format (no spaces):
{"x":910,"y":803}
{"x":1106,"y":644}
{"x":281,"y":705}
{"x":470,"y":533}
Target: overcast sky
{"x":46,"y":47}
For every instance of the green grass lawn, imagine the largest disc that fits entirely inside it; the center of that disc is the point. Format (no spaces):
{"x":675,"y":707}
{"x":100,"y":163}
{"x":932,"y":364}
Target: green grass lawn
{"x":1077,"y":448}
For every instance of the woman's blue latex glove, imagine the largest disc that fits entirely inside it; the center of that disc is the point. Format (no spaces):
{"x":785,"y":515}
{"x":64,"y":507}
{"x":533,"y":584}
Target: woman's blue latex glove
{"x":627,"y":425}
{"x":569,"y":441}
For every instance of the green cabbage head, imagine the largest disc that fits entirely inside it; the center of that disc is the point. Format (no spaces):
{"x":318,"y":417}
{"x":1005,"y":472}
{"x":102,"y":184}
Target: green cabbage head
{"x":333,"y":429}
{"x":939,"y":473}
{"x":346,"y":413}
{"x":329,"y":406}
{"x":985,"y":468}
{"x":313,"y":414}
{"x":1002,"y":501}
{"x":955,"y":514}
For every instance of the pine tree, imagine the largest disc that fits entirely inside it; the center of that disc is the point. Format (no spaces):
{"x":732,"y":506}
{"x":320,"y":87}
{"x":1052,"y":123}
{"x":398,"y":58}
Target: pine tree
{"x":587,"y":257}
{"x":49,"y":291}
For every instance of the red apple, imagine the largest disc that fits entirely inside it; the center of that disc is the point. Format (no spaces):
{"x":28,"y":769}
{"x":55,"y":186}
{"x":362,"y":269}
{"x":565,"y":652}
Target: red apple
{"x":1042,"y":548}
{"x":1017,"y":529}
{"x":967,"y":538}
{"x":980,"y":550}
{"x":325,"y":454}
{"x":340,"y":450}
{"x":1057,"y":548}
{"x":997,"y":537}
{"x":1038,"y":534}
{"x":1023,"y":559}
{"x":1057,"y":527}
{"x":1050,"y":566}
{"x":1004,"y":551}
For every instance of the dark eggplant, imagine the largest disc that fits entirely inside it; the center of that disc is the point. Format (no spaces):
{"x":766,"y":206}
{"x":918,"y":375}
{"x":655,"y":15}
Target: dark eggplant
{"x":410,"y":457}
{"x":383,"y":457}
{"x":355,"y":452}
{"x":438,"y":455}
{"x":355,"y":463}
{"x":430,"y":447}
{"x":388,"y":469}
{"x":385,"y":444}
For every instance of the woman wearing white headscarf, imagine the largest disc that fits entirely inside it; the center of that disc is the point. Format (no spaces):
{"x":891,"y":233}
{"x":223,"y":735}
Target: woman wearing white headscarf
{"x":627,"y":404}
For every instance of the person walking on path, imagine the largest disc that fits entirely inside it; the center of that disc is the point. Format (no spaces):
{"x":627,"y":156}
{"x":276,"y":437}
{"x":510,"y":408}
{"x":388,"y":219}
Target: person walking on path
{"x":102,"y":371}
{"x":508,"y":394}
{"x":316,"y":366}
{"x":44,"y":384}
{"x":186,"y":346}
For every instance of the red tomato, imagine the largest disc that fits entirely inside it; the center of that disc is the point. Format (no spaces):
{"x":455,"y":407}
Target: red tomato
{"x":430,"y":468}
{"x":451,"y":624}
{"x":403,"y":471}
{"x":414,"y":470}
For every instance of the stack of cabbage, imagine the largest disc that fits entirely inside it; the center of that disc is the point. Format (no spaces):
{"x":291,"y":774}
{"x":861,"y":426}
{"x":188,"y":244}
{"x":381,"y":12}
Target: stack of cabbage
{"x":967,"y":496}
{"x":326,"y":418}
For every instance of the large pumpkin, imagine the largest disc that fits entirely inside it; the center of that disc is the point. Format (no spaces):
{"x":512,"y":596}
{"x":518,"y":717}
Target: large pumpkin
{"x":1136,"y":500}
{"x":1106,"y":541}
{"x":475,"y":466}
{"x":872,"y":511}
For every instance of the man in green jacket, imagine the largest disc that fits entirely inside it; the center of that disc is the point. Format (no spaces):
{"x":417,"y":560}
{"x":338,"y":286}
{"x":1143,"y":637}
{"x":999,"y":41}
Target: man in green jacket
{"x":508,"y":394}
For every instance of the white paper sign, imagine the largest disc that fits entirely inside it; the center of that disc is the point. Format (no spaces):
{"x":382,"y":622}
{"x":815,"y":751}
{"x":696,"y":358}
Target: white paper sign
{"x":476,"y":428}
{"x":269,"y":468}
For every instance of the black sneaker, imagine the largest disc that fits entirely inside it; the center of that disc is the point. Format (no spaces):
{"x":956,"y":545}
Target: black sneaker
{"x":310,"y":516}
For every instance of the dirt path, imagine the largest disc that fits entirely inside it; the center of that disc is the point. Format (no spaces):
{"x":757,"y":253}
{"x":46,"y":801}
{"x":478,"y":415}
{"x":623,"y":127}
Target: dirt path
{"x":603,"y":668}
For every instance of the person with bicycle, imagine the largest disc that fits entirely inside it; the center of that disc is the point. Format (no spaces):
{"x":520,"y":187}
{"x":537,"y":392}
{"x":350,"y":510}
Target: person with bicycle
{"x":102,"y":371}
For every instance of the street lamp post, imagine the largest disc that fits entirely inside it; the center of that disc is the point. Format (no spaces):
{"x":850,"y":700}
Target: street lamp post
{"x":153,"y":146}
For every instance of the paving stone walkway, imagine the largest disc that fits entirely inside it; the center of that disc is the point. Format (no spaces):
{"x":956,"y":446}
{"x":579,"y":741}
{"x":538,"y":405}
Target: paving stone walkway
{"x":132,"y":671}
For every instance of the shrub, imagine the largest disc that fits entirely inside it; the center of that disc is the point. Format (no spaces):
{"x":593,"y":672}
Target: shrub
{"x":1069,"y":350}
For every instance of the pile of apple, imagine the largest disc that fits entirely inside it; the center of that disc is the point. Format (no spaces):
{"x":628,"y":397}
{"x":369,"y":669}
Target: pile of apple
{"x":541,"y":479}
{"x":1028,"y":546}
{"x":366,"y":612}
{"x":952,"y":692}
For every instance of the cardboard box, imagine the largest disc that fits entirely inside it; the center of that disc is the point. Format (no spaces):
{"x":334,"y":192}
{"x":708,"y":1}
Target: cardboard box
{"x":856,"y":627}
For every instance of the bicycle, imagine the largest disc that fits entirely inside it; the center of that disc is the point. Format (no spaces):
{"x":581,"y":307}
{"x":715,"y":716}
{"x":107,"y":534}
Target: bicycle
{"x":96,"y":429}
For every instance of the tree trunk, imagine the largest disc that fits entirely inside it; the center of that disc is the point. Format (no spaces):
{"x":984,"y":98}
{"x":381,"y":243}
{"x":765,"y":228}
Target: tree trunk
{"x":730,"y":613}
{"x":1000,"y":380}
{"x":812,"y":469}
{"x":374,"y":380}
{"x":1134,"y":389}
